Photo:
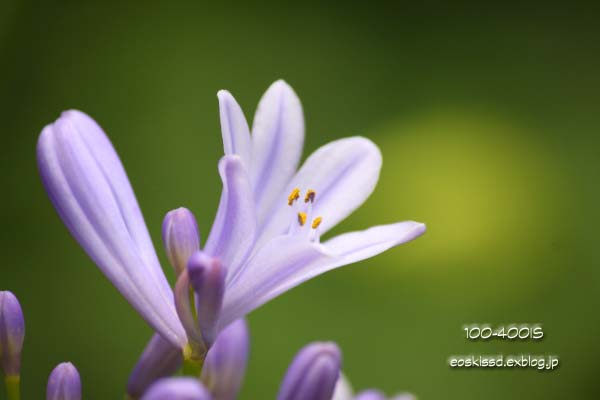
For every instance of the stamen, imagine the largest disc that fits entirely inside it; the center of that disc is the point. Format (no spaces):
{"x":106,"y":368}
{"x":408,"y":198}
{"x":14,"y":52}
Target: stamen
{"x":295,"y":195}
{"x":301,"y":218}
{"x":316,"y":222}
{"x":310,"y":196}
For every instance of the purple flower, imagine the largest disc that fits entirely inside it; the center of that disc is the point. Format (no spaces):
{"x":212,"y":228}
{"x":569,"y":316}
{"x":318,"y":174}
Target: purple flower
{"x":313,"y":373}
{"x":177,"y":389}
{"x":89,"y":188}
{"x":12,"y":334}
{"x":225,"y":364}
{"x":266,"y":233}
{"x":271,"y":215}
{"x":64,"y":383}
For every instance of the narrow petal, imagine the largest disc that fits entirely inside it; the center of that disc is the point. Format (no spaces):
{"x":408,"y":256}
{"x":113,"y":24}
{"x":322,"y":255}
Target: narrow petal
{"x":159,"y":359}
{"x":233,"y":231}
{"x":207,"y":277}
{"x":234,"y":128}
{"x":88,"y":186}
{"x":287,"y":261}
{"x":225,"y":364}
{"x":342,"y":175}
{"x":177,"y":389}
{"x":277,"y":140}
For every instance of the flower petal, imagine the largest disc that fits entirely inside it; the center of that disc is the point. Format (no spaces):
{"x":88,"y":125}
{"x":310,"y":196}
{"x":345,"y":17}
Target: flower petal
{"x":234,"y":128}
{"x":286,"y":261}
{"x":225,"y":364}
{"x":277,"y":140}
{"x":159,"y":359}
{"x":88,"y":186}
{"x":343,"y":174}
{"x":233,"y":231}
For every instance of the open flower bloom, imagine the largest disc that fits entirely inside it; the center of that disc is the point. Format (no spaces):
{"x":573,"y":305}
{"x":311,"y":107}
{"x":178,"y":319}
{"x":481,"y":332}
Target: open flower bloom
{"x":266,"y":234}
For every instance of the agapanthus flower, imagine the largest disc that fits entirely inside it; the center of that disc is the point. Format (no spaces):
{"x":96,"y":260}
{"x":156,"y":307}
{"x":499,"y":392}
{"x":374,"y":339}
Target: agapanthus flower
{"x":266,"y":235}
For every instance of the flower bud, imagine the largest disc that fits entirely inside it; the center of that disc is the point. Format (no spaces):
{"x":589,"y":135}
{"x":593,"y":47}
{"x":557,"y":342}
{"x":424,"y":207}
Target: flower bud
{"x":64,"y":383}
{"x":207,"y":277}
{"x":225,"y":364}
{"x":180,"y":237}
{"x":159,"y":359}
{"x":177,"y":389}
{"x":404,"y":396}
{"x":370,"y":394}
{"x":12,"y":333}
{"x":313,"y":374}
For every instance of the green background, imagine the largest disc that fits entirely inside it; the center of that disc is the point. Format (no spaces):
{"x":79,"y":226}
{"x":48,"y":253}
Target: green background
{"x":487,"y":117}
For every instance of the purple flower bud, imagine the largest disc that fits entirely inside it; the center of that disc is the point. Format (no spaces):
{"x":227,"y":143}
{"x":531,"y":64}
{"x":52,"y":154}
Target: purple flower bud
{"x":313,"y":374}
{"x":207,"y":277}
{"x":159,"y":359}
{"x":64,"y":383}
{"x":370,"y":394}
{"x":12,"y":333}
{"x":177,"y":389}
{"x":225,"y":364}
{"x":180,"y":237}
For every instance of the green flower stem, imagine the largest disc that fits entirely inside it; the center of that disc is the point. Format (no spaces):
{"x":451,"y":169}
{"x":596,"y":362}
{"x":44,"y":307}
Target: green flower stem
{"x":13,"y":387}
{"x":193,"y":359}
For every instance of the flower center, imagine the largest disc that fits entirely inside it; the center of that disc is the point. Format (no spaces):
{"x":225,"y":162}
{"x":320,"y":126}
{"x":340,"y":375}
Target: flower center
{"x":303,"y":211}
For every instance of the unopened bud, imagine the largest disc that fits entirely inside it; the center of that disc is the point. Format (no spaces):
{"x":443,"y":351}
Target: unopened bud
{"x":313,"y":374}
{"x":180,"y":237}
{"x":12,"y":333}
{"x":64,"y":383}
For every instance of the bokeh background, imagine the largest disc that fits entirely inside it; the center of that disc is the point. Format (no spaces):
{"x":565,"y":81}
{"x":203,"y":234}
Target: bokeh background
{"x":487,"y":117}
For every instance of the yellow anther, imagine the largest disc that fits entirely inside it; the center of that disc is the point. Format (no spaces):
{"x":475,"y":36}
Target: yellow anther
{"x":301,"y":218}
{"x":293,"y":196}
{"x":310,"y":196}
{"x":316,"y":222}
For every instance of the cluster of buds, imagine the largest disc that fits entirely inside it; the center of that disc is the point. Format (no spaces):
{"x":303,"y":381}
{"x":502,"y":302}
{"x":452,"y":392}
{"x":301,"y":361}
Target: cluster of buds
{"x":64,"y":382}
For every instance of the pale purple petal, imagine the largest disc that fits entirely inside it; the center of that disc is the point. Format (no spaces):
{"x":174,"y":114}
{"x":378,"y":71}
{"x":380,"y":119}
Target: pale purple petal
{"x":64,"y":383}
{"x":207,"y":277}
{"x":287,"y":261}
{"x":12,"y":333}
{"x":313,"y":373}
{"x":233,"y":231}
{"x":225,"y":364}
{"x":234,"y":128}
{"x":343,"y":174}
{"x":277,"y":140}
{"x":370,"y":394}
{"x":159,"y":359}
{"x":88,"y":186}
{"x":177,"y":389}
{"x":184,"y":310}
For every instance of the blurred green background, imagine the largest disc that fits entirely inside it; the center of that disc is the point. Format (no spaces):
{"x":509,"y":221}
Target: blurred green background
{"x":487,"y":117}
